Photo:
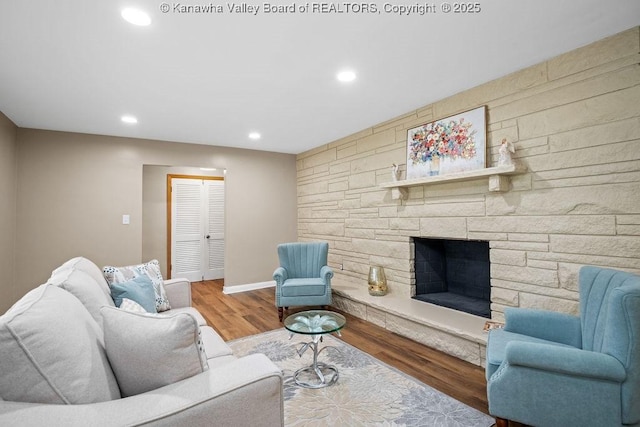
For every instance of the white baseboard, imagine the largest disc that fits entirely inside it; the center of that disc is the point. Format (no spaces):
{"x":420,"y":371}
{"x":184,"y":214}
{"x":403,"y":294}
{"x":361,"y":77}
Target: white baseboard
{"x":248,"y":287}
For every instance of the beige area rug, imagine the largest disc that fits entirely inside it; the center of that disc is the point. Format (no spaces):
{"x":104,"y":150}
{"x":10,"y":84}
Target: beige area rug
{"x":368,"y":392}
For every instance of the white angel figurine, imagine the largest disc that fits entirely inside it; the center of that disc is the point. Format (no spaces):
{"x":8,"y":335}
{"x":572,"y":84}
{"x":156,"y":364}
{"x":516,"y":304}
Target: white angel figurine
{"x":506,"y":150}
{"x":395,"y":172}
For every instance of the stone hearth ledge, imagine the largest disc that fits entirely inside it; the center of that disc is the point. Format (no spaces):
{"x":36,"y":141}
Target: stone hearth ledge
{"x":453,"y":332}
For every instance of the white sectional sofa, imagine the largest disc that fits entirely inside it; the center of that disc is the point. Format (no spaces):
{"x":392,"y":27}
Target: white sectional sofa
{"x":69,"y":357}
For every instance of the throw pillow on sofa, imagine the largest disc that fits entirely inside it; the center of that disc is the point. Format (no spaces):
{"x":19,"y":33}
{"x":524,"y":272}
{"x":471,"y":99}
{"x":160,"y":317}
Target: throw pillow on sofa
{"x":51,"y":351}
{"x":130,"y":305}
{"x":150,"y":269}
{"x":83,"y":286}
{"x":88,"y":266}
{"x":139,"y":289}
{"x":150,"y":351}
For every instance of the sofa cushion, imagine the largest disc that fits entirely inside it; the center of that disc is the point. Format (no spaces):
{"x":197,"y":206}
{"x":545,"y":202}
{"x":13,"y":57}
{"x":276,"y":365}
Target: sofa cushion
{"x":86,"y":265}
{"x":139,"y":289}
{"x":51,"y":351}
{"x":130,"y":305}
{"x":149,"y":351}
{"x":83,"y":286}
{"x":214,"y":345}
{"x":192,"y":311}
{"x":150,"y":269}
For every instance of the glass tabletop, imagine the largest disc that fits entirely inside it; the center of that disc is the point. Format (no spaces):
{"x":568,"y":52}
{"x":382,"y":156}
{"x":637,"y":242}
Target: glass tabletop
{"x":315,"y":322}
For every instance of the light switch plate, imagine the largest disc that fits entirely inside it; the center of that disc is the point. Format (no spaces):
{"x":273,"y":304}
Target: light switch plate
{"x":126,"y":219}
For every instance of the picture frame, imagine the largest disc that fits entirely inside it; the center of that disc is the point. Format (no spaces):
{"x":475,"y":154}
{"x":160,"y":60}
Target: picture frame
{"x":449,"y":145}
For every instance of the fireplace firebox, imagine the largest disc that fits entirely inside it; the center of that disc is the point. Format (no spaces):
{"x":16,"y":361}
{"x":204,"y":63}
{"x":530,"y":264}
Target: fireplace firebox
{"x":453,"y":274}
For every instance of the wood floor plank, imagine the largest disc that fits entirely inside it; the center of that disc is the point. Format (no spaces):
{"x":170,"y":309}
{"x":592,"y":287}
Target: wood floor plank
{"x":249,"y":313}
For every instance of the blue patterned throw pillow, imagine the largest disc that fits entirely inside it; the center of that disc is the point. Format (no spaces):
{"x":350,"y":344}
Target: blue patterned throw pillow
{"x":139,"y":289}
{"x":149,"y":269}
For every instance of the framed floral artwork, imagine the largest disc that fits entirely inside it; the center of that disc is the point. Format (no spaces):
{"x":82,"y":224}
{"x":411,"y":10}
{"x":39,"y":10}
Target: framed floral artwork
{"x":450,"y":145}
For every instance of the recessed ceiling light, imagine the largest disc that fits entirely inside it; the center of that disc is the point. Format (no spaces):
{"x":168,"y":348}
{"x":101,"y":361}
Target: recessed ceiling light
{"x":346,"y":76}
{"x":254,"y":135}
{"x":129,"y":119}
{"x":136,"y":16}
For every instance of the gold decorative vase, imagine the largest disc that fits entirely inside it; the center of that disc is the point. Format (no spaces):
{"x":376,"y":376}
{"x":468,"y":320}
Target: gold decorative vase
{"x":377,"y":281}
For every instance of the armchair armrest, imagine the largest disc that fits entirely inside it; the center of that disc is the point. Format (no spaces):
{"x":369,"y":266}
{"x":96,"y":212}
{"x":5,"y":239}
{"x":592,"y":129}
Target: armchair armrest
{"x":565,"y":360}
{"x":280,"y":275}
{"x":326,"y":273}
{"x":548,"y":325}
{"x":178,"y":292}
{"x":246,"y":391}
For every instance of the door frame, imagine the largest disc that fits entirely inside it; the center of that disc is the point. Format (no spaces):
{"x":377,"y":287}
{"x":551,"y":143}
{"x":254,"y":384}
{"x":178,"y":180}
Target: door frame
{"x":171,"y":177}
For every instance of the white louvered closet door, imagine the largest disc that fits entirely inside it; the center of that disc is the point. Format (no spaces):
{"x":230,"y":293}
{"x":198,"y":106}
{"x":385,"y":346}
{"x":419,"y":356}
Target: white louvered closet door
{"x":214,"y":238}
{"x":197,"y":229}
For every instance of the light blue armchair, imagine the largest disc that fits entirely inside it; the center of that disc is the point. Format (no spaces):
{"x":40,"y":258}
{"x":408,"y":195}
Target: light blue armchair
{"x":303,"y":278}
{"x":551,"y":369}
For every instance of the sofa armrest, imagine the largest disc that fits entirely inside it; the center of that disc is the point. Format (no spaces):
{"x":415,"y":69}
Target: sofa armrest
{"x":246,"y":391}
{"x":178,"y":292}
{"x":547,"y":325}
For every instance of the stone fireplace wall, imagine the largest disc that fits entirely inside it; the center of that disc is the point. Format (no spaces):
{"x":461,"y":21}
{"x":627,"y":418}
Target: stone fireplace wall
{"x":575,"y":123}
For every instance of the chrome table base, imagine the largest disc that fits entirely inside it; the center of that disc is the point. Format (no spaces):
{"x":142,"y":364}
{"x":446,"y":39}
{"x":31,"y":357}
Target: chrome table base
{"x":319,"y":374}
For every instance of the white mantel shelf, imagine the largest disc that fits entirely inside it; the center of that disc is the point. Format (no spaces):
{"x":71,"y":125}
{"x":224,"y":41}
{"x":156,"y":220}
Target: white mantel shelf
{"x":498,"y":179}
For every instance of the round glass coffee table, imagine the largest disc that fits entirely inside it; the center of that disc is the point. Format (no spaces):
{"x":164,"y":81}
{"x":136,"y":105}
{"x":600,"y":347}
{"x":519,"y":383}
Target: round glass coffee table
{"x":315,"y":323}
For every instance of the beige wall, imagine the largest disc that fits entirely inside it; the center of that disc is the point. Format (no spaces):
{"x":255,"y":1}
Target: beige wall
{"x":8,"y":289}
{"x":575,"y":122}
{"x":74,"y":188}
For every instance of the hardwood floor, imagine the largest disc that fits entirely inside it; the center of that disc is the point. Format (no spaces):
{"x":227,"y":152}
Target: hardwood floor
{"x":243,"y":314}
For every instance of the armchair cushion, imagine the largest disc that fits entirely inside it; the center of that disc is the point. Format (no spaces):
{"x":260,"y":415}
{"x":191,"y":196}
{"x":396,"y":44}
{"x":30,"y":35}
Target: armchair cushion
{"x":51,"y":351}
{"x":303,"y":287}
{"x":167,"y":349}
{"x":150,"y":269}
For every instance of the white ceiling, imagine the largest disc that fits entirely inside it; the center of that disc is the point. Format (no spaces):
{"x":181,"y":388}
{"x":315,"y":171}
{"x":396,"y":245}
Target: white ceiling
{"x":211,"y":78}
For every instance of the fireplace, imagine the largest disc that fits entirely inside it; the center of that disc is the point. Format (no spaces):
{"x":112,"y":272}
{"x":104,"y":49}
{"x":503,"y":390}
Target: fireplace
{"x":453,"y":274}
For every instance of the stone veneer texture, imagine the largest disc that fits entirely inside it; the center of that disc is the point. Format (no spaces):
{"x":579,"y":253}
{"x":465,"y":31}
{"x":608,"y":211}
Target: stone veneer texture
{"x":575,"y":123}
